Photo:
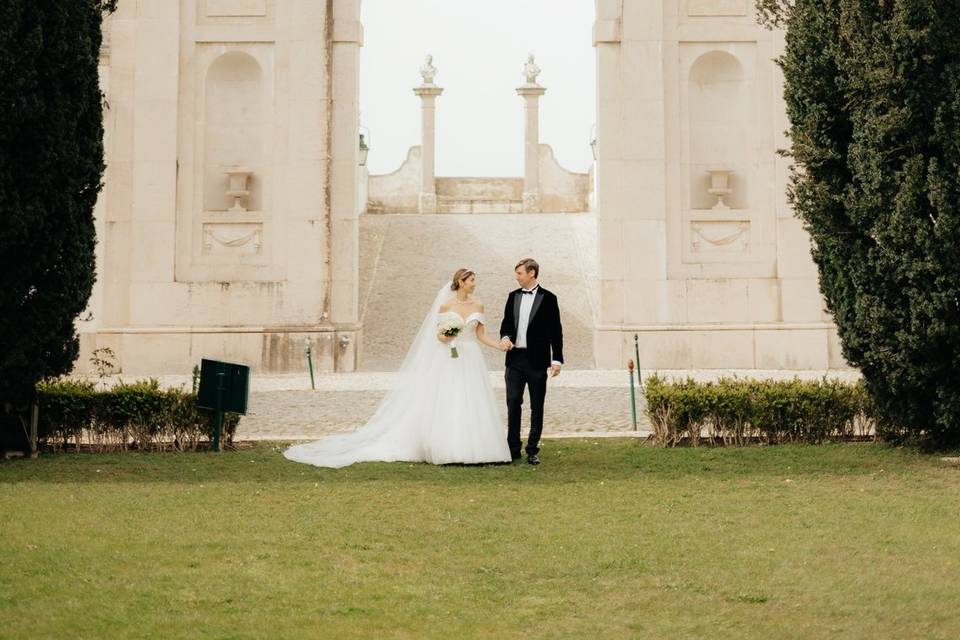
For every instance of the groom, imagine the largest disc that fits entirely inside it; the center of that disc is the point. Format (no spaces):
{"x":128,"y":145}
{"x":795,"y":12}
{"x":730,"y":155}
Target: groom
{"x":530,"y":331}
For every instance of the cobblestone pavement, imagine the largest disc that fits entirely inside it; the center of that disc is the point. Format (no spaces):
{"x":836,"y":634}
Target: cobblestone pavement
{"x":405,"y":259}
{"x":296,"y":415}
{"x":285,"y":408}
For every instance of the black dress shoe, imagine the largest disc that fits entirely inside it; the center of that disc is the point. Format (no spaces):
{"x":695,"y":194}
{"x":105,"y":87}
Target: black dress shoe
{"x":533,"y":459}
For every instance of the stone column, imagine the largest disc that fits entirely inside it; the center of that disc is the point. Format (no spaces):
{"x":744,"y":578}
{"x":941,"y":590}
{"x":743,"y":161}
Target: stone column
{"x":611,"y":349}
{"x":344,"y":245}
{"x":428,"y":93}
{"x":531,"y":92}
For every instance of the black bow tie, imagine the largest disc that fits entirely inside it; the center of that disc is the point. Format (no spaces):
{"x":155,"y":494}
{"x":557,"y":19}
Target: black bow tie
{"x":525,"y":292}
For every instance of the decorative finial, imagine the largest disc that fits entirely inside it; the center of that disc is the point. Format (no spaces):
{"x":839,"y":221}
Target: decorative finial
{"x":428,"y":71}
{"x":531,"y":70}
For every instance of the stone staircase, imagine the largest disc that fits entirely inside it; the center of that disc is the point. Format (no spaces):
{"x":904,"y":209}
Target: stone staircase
{"x":405,"y":258}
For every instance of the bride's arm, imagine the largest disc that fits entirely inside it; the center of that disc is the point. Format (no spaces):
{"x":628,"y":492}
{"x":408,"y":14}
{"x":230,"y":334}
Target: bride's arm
{"x":482,"y":336}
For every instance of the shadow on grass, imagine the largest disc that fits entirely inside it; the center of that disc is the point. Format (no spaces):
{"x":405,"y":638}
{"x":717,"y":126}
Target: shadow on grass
{"x":568,"y":461}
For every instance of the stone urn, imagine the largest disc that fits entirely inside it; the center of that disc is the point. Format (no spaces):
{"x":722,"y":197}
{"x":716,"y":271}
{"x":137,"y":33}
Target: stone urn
{"x":720,"y":186}
{"x":237,"y":187}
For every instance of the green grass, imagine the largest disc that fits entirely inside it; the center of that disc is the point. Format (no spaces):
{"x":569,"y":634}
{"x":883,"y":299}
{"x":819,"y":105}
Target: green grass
{"x":604,"y":540}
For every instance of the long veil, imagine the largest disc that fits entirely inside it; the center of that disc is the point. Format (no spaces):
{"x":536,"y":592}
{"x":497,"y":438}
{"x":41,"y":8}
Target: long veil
{"x":397,"y":429}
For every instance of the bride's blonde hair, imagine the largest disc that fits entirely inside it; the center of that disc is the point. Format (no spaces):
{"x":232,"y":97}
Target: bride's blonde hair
{"x":460,"y":276}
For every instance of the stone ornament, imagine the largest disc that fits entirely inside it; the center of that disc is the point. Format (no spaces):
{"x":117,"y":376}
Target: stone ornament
{"x":237,"y":187}
{"x":428,"y":71}
{"x":531,"y":70}
{"x":720,"y":186}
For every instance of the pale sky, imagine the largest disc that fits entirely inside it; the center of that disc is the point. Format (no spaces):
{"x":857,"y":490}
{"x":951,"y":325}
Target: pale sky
{"x":479,"y":48}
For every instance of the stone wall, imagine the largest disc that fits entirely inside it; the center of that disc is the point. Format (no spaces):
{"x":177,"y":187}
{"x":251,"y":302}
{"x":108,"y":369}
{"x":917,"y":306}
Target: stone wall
{"x":190,"y":265}
{"x":709,"y":270}
{"x":398,"y":192}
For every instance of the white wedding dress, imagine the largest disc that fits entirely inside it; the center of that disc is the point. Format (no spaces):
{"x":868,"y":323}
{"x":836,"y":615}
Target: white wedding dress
{"x":441,"y":410}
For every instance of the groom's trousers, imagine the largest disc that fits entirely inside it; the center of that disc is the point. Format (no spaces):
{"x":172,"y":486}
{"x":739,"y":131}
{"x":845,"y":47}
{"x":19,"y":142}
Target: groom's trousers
{"x":521,"y":374}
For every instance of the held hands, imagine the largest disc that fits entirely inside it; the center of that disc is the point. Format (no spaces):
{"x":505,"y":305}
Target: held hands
{"x":506,"y":345}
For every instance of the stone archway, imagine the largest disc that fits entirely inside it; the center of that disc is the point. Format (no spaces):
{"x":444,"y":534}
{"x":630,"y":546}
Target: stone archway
{"x":418,"y":228}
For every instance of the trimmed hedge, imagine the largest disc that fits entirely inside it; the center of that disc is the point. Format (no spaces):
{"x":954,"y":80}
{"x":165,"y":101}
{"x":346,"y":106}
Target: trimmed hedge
{"x":139,"y":415}
{"x":738,"y":412}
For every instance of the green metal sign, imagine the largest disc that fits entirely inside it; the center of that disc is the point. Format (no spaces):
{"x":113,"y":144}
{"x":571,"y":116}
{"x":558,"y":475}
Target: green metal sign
{"x":224,"y":386}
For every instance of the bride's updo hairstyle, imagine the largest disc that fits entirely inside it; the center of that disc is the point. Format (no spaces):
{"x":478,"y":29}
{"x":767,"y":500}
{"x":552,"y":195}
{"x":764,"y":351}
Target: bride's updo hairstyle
{"x":459,"y":277}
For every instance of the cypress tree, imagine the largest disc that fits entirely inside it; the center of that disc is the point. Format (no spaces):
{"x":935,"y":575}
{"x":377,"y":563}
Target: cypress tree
{"x":873,"y":98}
{"x":51,"y":164}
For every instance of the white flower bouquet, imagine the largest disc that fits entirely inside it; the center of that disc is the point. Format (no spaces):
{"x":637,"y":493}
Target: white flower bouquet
{"x":450,"y":324}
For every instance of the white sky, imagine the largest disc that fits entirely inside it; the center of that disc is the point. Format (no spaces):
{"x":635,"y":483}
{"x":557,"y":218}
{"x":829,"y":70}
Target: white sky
{"x":479,"y":48}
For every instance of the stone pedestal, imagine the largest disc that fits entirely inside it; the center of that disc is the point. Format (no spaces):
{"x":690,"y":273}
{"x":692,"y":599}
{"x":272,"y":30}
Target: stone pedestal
{"x":428,"y":189}
{"x":531,"y":93}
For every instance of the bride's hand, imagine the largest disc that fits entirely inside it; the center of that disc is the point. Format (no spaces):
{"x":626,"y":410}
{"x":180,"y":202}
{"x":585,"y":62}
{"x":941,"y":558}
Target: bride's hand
{"x":444,"y":339}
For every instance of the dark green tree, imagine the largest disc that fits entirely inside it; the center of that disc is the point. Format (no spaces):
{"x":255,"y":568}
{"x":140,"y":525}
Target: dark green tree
{"x":51,"y":164}
{"x":873,"y":98}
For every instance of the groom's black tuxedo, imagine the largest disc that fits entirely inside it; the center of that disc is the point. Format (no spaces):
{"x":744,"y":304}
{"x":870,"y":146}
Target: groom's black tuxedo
{"x":544,"y":331}
{"x":527,"y":367}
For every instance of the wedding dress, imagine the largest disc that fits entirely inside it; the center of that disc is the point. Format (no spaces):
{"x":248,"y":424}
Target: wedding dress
{"x":441,"y":410}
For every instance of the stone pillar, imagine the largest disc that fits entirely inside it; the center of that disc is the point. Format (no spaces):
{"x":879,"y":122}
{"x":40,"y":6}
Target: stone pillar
{"x":344,"y":238}
{"x":531,"y":92}
{"x":609,"y":343}
{"x":428,"y":93}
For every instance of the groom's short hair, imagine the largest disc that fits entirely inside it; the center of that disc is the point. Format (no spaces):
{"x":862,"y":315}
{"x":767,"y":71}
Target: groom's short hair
{"x":529,"y":264}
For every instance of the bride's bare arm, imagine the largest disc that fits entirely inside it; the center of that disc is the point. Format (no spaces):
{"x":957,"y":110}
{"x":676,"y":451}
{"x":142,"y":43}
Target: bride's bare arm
{"x":482,"y":336}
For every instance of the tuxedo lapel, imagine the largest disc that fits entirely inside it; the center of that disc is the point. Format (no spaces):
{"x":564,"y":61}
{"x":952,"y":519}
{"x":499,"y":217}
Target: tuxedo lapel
{"x":536,"y":304}
{"x":517,"y":297}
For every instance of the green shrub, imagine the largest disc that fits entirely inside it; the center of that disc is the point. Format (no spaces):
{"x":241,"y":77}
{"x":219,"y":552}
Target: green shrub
{"x":140,"y":415}
{"x":737,"y":412}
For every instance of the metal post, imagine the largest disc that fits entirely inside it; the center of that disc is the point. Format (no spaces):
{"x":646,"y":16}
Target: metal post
{"x":34,"y":417}
{"x":196,"y":377}
{"x":636,"y":351}
{"x":218,"y":420}
{"x":633,"y":396}
{"x":310,"y":364}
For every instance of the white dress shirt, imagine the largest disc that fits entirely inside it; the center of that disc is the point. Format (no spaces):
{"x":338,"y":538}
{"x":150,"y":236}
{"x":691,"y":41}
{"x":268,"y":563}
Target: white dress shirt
{"x":526,"y":306}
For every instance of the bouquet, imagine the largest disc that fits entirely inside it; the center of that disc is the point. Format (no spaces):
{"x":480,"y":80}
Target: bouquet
{"x":450,"y":324}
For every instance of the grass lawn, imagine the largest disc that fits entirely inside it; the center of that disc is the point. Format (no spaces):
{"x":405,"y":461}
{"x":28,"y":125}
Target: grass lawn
{"x":606,"y":539}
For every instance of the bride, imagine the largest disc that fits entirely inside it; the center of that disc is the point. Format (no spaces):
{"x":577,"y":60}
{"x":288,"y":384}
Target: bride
{"x":442,"y":409}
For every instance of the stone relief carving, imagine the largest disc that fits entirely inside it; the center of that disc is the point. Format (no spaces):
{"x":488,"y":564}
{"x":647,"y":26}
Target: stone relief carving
{"x":719,"y":235}
{"x":232,"y":238}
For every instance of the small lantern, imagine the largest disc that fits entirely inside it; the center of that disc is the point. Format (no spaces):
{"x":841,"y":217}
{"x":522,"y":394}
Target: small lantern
{"x":364,"y":146}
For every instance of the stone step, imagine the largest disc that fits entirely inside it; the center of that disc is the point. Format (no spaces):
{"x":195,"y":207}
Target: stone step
{"x":447,"y":204}
{"x":404,"y":259}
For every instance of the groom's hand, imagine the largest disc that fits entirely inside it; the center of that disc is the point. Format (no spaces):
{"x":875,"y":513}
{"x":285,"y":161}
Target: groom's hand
{"x":554,"y":370}
{"x":506,"y":345}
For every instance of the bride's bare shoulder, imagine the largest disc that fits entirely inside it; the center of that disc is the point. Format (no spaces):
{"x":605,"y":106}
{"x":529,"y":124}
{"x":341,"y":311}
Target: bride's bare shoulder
{"x":446,"y":306}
